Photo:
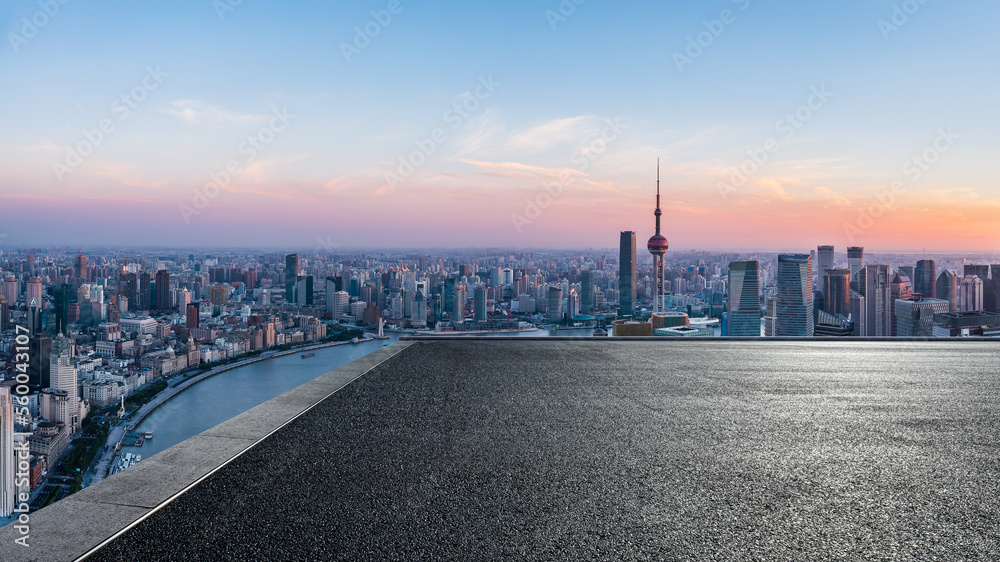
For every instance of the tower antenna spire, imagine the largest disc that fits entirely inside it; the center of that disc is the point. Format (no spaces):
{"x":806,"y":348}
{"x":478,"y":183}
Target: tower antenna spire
{"x":657,"y":246}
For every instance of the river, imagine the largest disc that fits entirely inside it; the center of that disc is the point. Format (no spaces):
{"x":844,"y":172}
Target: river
{"x":226,"y":395}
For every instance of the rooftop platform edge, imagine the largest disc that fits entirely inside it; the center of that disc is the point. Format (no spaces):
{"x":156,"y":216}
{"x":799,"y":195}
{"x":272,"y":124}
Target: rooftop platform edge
{"x":707,"y":340}
{"x":80,"y":524}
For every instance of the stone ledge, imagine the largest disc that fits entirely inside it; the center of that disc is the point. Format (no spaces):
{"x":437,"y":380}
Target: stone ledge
{"x":69,"y":529}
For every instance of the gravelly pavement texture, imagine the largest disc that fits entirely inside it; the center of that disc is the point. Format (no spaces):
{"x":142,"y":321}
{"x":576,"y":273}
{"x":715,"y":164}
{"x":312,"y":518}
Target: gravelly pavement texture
{"x":617,"y":450}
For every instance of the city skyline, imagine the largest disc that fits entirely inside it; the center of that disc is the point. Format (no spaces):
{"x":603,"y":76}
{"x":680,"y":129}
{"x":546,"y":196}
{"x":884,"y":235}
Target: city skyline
{"x":487,"y":121}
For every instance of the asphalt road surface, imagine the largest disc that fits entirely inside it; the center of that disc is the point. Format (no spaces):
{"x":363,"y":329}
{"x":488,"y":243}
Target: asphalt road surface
{"x":493,"y":450}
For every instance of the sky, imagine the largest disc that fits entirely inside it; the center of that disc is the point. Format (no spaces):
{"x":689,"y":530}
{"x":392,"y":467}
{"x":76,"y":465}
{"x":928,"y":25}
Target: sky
{"x":778,"y":125}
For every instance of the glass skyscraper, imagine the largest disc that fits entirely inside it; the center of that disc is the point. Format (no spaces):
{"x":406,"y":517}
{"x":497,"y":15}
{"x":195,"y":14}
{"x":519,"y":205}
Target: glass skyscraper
{"x":925,"y":277}
{"x":837,"y":291}
{"x":795,"y":296}
{"x":291,"y":276}
{"x":626,"y":273}
{"x":744,"y":299}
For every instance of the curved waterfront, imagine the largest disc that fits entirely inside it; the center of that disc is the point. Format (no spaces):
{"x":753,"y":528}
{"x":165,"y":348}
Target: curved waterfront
{"x":226,"y":395}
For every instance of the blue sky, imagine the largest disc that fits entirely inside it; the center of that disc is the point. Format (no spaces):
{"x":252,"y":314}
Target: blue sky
{"x":557,"y":90}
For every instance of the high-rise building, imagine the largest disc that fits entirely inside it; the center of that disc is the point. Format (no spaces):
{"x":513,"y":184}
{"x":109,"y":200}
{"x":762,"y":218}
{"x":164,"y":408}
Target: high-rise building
{"x":191,"y":315}
{"x":981,"y":271}
{"x":925,"y":279}
{"x":990,"y":294}
{"x":304,"y":290}
{"x":80,"y":265}
{"x":906,"y":272}
{"x":947,"y":289}
{"x":795,"y":296}
{"x":555,"y":299}
{"x":626,"y":274}
{"x":132,"y":290}
{"x":418,"y":312}
{"x":4,"y":314}
{"x":573,"y":304}
{"x":898,"y":290}
{"x":460,"y":299}
{"x":855,"y":262}
{"x":39,"y":368}
{"x":771,"y":316}
{"x":217,"y":295}
{"x":586,"y":290}
{"x":450,"y":284}
{"x":859,"y":313}
{"x":744,"y":299}
{"x":330,"y":286}
{"x":34,"y":317}
{"x":824,"y":261}
{"x":145,"y":291}
{"x":995,"y":270}
{"x":658,"y":246}
{"x":971,"y":294}
{"x":62,"y":298}
{"x":63,"y":377}
{"x":837,"y":291}
{"x":291,"y":276}
{"x":163,"y":300}
{"x":915,"y":316}
{"x":33,"y":291}
{"x":11,"y":290}
{"x":338,"y":302}
{"x":479,"y":304}
{"x":7,"y":460}
{"x":874,"y":282}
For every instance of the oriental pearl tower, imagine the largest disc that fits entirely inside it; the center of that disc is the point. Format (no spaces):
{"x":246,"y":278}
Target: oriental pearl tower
{"x":657,"y":246}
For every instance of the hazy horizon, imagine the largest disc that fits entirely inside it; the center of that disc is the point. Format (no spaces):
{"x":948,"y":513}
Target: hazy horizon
{"x":201,"y":123}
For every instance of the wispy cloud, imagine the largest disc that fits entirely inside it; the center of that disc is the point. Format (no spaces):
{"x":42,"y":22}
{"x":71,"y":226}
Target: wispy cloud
{"x":776,"y":189}
{"x":558,"y":132}
{"x":519,"y":170}
{"x":199,"y":112}
{"x":836,"y":198}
